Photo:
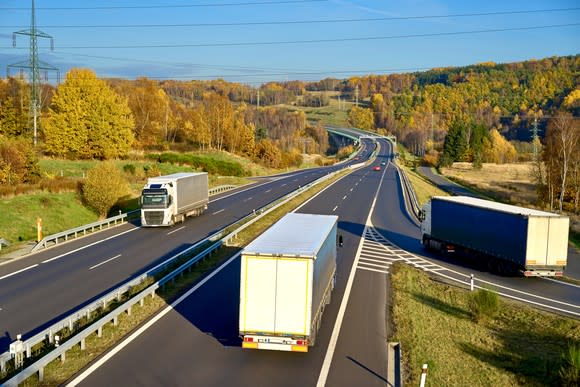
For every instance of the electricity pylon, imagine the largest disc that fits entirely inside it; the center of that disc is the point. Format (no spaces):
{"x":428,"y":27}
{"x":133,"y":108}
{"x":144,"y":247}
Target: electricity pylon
{"x":34,"y":65}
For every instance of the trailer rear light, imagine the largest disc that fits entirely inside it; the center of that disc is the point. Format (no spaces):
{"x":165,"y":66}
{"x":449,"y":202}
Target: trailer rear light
{"x":559,"y":274}
{"x":249,"y":339}
{"x":300,"y":342}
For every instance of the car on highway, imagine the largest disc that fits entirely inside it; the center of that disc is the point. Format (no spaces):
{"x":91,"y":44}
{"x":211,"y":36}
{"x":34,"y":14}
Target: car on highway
{"x":377,"y":168}
{"x":383,"y":163}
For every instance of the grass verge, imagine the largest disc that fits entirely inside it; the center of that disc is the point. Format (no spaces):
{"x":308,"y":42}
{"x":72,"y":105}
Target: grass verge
{"x":518,"y":346}
{"x":423,"y":188}
{"x":58,"y":372}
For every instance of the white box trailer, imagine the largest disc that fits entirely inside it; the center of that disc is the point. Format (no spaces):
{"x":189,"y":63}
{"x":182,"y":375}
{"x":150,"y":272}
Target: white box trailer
{"x":166,"y":200}
{"x":287,"y":276}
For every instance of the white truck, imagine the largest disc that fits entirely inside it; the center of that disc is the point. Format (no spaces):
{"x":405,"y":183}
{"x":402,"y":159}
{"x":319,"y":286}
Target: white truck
{"x":166,"y":200}
{"x":287,"y":276}
{"x":500,"y":237}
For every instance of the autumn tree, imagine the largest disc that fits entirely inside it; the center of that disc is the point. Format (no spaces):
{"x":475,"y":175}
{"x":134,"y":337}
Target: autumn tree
{"x":361,"y":118}
{"x":103,"y":187}
{"x":561,"y":156}
{"x":18,"y":161}
{"x":496,"y":149}
{"x":14,"y":106}
{"x":88,"y":119}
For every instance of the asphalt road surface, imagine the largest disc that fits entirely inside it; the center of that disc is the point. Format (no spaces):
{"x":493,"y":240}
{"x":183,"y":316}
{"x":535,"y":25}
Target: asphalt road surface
{"x":41,"y":289}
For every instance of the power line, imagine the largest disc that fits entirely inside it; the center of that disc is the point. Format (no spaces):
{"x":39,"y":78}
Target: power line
{"x":320,"y":21}
{"x":336,"y":40}
{"x":164,"y":6}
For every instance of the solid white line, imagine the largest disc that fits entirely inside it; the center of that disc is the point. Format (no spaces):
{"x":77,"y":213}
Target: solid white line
{"x":560,"y":282}
{"x":342,"y":309}
{"x":102,"y":263}
{"x":334,"y":209}
{"x":269,"y":190}
{"x":138,"y":332}
{"x":19,"y":271}
{"x":217,"y":212}
{"x":351,"y":189}
{"x":92,"y":244}
{"x":283,"y":185}
{"x":248,"y":199}
{"x":344,"y":197}
{"x":176,"y":230}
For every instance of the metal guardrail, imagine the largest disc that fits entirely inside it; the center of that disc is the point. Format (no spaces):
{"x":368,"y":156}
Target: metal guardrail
{"x":73,"y":233}
{"x":69,"y":321}
{"x":408,"y":187}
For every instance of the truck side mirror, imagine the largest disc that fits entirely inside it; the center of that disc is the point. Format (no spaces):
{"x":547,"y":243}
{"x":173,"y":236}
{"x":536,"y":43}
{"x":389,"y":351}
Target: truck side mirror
{"x":340,"y":240}
{"x":421,"y":215}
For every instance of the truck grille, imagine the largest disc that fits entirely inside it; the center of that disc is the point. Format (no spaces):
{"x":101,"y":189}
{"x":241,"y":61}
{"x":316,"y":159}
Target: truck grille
{"x":153,"y":217}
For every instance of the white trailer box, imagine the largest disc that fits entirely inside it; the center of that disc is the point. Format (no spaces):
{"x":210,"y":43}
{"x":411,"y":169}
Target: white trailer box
{"x":166,"y":200}
{"x":287,"y":275}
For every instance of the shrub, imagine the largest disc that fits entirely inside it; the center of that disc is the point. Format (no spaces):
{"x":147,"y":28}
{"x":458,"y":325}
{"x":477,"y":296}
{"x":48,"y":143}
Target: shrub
{"x":570,"y":370}
{"x":103,"y":187}
{"x":129,"y":168}
{"x":484,"y":304}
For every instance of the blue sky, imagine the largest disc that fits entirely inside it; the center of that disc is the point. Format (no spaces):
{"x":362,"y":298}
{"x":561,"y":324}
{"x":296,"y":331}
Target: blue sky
{"x":255,"y":41}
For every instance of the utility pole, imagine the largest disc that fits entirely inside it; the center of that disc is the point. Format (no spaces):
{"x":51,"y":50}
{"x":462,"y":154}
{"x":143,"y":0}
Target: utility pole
{"x":258,"y":102}
{"x":356,"y":95}
{"x":534,"y":139}
{"x":34,"y":65}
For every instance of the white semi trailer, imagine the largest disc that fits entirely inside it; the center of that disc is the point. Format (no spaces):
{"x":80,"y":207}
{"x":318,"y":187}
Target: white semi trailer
{"x":166,"y":200}
{"x":287,"y":276}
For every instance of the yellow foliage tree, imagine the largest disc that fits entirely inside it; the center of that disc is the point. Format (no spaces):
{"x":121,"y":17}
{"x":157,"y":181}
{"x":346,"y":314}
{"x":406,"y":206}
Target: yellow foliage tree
{"x":497,"y":149}
{"x":104,"y":186}
{"x":88,"y":119}
{"x":361,"y":118}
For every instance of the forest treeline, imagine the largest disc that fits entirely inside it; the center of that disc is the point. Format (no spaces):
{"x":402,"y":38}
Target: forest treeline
{"x":479,"y":113}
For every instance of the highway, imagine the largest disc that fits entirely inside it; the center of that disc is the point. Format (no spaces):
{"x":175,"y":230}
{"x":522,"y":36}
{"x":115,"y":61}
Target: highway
{"x":204,"y":349}
{"x":43,"y":288}
{"x":195,"y":342}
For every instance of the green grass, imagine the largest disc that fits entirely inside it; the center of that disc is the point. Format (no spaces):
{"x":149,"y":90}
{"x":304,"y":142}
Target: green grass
{"x":58,"y":212}
{"x":520,"y":346}
{"x":424,"y":189}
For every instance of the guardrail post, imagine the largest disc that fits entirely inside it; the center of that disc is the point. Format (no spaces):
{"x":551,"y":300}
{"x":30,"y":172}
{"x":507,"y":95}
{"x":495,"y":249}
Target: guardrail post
{"x":41,"y":374}
{"x":2,"y":366}
{"x":471,"y":280}
{"x":142,"y":302}
{"x":63,"y":357}
{"x":70,"y":324}
{"x":82,"y":344}
{"x":129,"y":311}
{"x":50,"y":336}
{"x":100,"y":331}
{"x":115,"y":320}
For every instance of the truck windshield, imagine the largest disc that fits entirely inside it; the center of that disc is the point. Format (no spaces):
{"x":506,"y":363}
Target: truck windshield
{"x":154,"y":200}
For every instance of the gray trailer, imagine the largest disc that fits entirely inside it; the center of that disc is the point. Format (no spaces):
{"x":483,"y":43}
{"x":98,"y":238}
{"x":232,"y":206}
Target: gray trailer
{"x":166,"y":200}
{"x":505,"y":238}
{"x":287,"y":276}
